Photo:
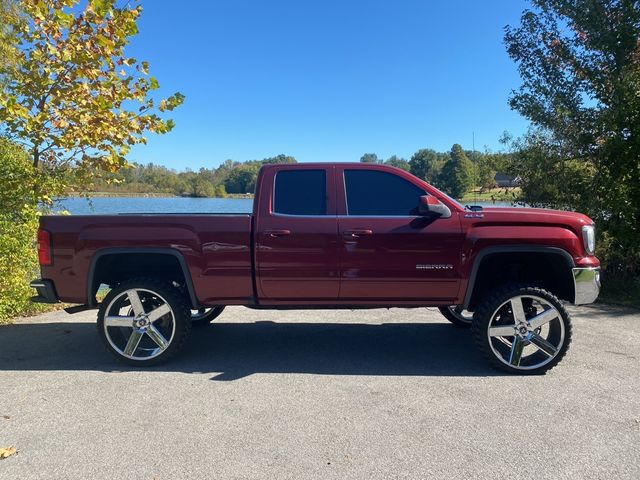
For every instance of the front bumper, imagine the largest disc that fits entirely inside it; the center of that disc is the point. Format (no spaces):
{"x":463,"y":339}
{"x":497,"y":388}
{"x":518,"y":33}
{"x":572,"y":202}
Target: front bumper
{"x":586,"y":283}
{"x":46,"y":291}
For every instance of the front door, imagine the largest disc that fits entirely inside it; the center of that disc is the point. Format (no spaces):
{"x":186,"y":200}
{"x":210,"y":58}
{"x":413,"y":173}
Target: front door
{"x":297,"y":237}
{"x":387,"y":251}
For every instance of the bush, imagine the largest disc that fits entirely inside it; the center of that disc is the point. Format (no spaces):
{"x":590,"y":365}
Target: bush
{"x":18,"y":226}
{"x":18,"y":264}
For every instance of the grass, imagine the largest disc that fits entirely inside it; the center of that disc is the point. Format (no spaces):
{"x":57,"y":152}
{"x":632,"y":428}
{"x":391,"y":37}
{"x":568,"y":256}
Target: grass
{"x":491,"y":195}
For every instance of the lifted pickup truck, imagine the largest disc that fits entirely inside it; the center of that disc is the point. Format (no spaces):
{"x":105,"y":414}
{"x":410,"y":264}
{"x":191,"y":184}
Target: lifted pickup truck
{"x":328,"y":236}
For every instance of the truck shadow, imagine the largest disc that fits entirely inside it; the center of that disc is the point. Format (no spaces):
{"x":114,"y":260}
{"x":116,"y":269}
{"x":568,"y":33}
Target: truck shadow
{"x":235,"y":350}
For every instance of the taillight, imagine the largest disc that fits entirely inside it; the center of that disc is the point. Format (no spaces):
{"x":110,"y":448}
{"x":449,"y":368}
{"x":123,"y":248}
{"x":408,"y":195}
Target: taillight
{"x":44,"y":247}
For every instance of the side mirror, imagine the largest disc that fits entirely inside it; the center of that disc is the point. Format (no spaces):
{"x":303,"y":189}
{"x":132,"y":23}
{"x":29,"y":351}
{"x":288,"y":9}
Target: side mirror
{"x":430,"y":206}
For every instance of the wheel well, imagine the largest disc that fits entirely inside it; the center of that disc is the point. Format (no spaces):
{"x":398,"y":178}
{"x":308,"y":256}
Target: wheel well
{"x":548,"y":270}
{"x":113,"y":268}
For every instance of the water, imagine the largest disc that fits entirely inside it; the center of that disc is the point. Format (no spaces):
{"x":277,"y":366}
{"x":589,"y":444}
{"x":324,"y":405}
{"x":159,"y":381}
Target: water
{"x":115,"y":205}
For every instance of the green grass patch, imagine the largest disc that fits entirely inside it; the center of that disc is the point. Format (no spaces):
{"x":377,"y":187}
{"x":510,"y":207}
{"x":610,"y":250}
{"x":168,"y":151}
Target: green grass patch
{"x":491,"y":195}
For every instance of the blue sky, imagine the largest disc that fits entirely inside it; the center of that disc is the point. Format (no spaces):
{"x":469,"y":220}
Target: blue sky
{"x":327,"y":80}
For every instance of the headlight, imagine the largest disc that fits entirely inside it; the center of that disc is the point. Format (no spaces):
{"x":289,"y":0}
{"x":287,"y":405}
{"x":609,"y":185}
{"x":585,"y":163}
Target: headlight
{"x":589,"y":239}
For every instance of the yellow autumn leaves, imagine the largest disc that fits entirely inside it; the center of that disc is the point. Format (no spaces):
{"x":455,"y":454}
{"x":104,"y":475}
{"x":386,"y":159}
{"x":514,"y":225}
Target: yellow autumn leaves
{"x":6,"y":452}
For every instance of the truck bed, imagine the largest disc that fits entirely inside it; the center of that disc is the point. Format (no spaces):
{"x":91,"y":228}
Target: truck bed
{"x":215,"y":247}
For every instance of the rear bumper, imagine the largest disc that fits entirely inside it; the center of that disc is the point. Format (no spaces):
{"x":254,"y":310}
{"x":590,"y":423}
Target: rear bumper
{"x":587,"y":285}
{"x":46,"y":291}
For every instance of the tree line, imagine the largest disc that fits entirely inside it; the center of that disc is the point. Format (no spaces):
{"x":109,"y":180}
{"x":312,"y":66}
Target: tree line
{"x":231,"y":177}
{"x":455,"y":172}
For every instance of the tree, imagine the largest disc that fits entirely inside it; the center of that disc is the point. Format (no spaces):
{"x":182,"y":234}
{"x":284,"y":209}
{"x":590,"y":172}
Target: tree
{"x":74,"y":97}
{"x":220,"y":191}
{"x":197,"y":185}
{"x":397,"y":162}
{"x":279,"y":159}
{"x":241,"y":179}
{"x":580,"y":66}
{"x":10,"y":24}
{"x":369,"y":158}
{"x":425,"y":164}
{"x":17,"y":174}
{"x":456,"y":177}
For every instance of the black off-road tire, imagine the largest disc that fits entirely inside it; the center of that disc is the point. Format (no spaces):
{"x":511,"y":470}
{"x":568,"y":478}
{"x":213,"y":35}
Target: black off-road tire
{"x":179,"y":308}
{"x":487,"y":308}
{"x":453,"y":318}
{"x":205,"y":318}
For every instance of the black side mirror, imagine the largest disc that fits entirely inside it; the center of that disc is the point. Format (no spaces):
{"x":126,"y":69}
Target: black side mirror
{"x":430,"y":206}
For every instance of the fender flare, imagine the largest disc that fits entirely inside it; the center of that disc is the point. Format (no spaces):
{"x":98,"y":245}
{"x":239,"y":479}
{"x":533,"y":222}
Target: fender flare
{"x":511,"y":249}
{"x":91,"y":301}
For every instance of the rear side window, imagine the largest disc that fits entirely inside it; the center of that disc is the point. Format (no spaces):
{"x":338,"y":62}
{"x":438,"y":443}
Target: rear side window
{"x":372,"y":192}
{"x":301,"y":192}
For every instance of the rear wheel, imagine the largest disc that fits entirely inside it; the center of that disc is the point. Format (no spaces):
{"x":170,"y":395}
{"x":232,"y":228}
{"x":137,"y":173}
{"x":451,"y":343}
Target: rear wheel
{"x":522,"y":329}
{"x":457,"y":315}
{"x":144,"y":321}
{"x":203,"y":316}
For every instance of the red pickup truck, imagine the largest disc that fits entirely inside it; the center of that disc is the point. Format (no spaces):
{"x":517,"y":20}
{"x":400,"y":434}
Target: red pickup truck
{"x":328,"y":236}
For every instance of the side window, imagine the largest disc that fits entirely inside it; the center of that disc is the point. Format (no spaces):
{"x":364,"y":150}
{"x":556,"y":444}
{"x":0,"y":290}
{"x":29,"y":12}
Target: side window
{"x":373,"y":192}
{"x":300,"y":192}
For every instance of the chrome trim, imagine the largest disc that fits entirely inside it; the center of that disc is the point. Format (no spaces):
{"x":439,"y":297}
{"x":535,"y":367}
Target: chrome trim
{"x":413,"y":217}
{"x":586,"y":283}
{"x":277,"y":214}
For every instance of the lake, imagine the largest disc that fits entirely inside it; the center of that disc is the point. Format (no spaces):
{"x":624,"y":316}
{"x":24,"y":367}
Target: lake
{"x":115,"y":205}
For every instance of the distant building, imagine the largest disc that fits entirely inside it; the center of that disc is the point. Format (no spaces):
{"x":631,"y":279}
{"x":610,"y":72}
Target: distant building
{"x":505,"y":181}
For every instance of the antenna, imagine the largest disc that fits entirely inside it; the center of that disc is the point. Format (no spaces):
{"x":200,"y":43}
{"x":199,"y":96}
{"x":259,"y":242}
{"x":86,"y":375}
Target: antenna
{"x":475,"y":166}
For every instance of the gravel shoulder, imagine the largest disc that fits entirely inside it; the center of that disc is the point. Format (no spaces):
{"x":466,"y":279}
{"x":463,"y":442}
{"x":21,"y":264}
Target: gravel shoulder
{"x":371,"y":394}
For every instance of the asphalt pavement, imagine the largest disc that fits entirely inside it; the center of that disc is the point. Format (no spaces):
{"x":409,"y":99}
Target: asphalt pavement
{"x":370,"y":394}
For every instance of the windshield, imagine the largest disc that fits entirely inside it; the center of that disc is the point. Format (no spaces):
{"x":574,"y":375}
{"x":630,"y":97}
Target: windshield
{"x":453,"y":200}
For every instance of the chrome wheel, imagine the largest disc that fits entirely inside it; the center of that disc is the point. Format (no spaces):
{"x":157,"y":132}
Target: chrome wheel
{"x":457,"y":315}
{"x":200,"y":314}
{"x":205,"y":315}
{"x":522,"y":329}
{"x":139,"y":324}
{"x":526,"y":332}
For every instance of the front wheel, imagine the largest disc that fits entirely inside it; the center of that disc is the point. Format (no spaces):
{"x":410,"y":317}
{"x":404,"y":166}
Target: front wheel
{"x":522,"y":329}
{"x":144,"y":321}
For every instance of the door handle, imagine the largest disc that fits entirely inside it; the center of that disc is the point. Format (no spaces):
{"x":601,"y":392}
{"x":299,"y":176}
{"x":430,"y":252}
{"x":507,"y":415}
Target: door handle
{"x":277,"y":233}
{"x":357,"y":233}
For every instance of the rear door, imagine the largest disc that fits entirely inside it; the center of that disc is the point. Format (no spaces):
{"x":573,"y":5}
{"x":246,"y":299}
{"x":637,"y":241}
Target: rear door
{"x":297,"y":235}
{"x":387,"y":251}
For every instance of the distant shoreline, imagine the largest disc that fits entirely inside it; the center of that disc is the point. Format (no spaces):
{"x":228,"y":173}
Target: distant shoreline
{"x":149,"y":195}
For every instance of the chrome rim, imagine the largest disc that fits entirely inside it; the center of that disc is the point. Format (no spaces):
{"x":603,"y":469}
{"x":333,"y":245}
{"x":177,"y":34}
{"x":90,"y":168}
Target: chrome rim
{"x":526,"y":332}
{"x":139,"y":324}
{"x":200,"y":313}
{"x":461,"y":314}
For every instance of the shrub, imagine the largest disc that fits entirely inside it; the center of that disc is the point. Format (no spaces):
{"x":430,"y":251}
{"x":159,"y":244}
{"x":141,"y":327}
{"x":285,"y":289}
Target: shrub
{"x":18,"y":226}
{"x":18,"y":263}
